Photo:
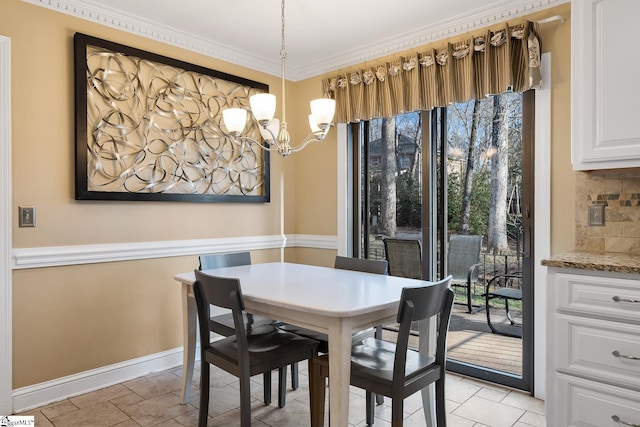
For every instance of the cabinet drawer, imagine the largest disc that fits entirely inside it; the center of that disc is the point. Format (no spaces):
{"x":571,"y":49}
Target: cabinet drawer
{"x":583,"y":403}
{"x":617,"y":299}
{"x":599,"y":349}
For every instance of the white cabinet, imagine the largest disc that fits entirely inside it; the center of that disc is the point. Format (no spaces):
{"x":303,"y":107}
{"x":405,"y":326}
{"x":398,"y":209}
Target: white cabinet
{"x":593,"y":342}
{"x":605,"y":128}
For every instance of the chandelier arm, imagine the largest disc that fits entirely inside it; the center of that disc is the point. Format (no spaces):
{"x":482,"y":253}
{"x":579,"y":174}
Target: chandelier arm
{"x":269,"y":147}
{"x":317,"y":136}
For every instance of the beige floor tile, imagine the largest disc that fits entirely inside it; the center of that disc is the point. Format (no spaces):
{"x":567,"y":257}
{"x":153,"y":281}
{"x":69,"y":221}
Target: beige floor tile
{"x":157,"y":409}
{"x":488,"y":412}
{"x":533,"y":419}
{"x":98,"y":396}
{"x":100,"y":414}
{"x":154,"y":385}
{"x":127,"y":423}
{"x":460,"y":391}
{"x":524,"y":401}
{"x":58,"y":409}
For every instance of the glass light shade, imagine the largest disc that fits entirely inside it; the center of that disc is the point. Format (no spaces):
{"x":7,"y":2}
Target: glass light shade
{"x":323,"y":110}
{"x":234,"y":119}
{"x":274,"y":127}
{"x":263,"y":106}
{"x":313,"y":124}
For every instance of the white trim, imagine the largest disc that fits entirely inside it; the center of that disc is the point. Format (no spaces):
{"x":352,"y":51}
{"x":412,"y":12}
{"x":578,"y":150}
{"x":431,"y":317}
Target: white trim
{"x":542,"y":238}
{"x":54,"y":256}
{"x":342,"y":191}
{"x":500,"y":12}
{"x":6,"y":366}
{"x":73,"y":385}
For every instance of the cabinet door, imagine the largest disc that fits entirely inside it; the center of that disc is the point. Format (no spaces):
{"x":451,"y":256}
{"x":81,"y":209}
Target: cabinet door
{"x":605,"y":91}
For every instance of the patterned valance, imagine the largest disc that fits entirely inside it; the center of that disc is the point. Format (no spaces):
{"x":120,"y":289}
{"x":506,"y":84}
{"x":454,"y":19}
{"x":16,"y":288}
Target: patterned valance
{"x":484,"y":64}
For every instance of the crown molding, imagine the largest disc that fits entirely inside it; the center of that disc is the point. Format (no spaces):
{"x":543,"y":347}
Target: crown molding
{"x":479,"y":18}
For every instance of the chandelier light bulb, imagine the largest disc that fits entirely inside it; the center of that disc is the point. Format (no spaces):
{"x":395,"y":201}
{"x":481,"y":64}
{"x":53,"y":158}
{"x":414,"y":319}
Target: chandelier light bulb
{"x":323,"y":110}
{"x":235,"y":120}
{"x":263,"y":107}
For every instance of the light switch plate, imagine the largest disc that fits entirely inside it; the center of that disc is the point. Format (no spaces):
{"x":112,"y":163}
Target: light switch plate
{"x":26,"y":216}
{"x":596,"y":215}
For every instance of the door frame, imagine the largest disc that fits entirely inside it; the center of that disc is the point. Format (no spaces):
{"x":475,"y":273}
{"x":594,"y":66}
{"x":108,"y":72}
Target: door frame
{"x":6,"y":366}
{"x":542,"y":232}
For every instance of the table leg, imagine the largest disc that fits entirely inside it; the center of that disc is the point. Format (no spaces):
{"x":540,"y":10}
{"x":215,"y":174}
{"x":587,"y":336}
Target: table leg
{"x":188,"y":339}
{"x":427,"y":344}
{"x":339,"y":371}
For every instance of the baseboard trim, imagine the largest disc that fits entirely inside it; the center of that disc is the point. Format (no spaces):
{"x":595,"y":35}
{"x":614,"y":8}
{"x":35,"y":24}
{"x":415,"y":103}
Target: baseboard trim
{"x":41,"y":394}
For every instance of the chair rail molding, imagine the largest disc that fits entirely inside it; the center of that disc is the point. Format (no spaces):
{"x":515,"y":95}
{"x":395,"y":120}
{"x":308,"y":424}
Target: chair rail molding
{"x":88,"y":254}
{"x":6,"y":367}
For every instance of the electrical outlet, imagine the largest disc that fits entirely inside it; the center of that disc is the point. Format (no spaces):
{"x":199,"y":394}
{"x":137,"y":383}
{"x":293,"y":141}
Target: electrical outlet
{"x":26,"y":216}
{"x":596,"y":215}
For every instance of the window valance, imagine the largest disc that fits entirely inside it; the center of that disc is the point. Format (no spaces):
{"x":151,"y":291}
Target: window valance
{"x":484,"y":64}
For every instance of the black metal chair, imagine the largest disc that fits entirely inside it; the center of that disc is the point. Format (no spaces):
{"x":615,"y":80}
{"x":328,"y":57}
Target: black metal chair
{"x":506,"y":287}
{"x":248,"y":352}
{"x":463,"y":263}
{"x":395,"y":370}
{"x":404,"y":257}
{"x":222,"y":324}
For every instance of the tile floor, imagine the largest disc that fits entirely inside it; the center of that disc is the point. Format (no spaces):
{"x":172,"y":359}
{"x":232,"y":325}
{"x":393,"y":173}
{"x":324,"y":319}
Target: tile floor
{"x":154,"y":400}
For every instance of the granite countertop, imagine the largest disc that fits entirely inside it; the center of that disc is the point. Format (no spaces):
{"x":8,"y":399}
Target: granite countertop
{"x":619,"y":262}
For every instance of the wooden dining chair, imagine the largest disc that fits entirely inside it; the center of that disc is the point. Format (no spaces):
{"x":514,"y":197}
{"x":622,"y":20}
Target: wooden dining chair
{"x":395,"y":370}
{"x":223,"y":324}
{"x":248,"y":352}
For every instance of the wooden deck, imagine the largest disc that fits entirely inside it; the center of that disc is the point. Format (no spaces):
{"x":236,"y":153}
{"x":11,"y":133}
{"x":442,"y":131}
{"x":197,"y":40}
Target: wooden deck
{"x":470,"y":340}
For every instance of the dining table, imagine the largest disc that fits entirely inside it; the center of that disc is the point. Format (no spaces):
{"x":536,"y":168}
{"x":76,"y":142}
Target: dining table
{"x":333,"y":301}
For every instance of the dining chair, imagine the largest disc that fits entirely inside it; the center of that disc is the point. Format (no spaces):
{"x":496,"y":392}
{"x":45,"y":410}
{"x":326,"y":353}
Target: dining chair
{"x":258,"y":350}
{"x":395,"y":370}
{"x":404,"y":257}
{"x":223,"y":324}
{"x":463,"y":263}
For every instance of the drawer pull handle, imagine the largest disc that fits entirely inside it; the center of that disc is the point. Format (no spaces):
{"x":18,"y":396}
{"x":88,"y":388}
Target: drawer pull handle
{"x":616,"y":298}
{"x":616,"y":353}
{"x":618,"y":420}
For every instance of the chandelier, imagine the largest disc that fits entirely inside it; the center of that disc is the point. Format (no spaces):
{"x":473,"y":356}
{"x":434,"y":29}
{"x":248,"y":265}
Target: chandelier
{"x":274,"y":132}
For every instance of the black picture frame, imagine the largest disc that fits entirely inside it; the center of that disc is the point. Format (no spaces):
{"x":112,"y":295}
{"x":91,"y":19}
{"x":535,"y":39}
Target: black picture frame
{"x":238,"y":91}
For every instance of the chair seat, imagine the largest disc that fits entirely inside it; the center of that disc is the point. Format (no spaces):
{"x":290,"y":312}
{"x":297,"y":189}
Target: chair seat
{"x":373,"y":359}
{"x":266,"y":346}
{"x":223,"y":323}
{"x":509,"y":293}
{"x":323,"y":339}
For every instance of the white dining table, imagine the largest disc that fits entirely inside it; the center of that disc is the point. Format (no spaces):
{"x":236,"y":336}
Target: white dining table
{"x":334,"y":301}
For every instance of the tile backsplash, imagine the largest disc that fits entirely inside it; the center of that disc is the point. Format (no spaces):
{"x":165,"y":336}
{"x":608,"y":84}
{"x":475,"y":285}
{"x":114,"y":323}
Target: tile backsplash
{"x":619,"y":192}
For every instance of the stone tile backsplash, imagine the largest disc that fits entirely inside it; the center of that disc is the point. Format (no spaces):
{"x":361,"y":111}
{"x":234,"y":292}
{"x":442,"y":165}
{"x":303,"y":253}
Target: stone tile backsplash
{"x":619,"y":192}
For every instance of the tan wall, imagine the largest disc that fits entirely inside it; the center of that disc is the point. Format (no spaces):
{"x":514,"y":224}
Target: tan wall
{"x":89,"y":316}
{"x":72,"y":319}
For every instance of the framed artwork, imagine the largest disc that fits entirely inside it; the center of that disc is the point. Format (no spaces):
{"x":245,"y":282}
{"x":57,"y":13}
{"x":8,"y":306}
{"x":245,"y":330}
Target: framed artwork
{"x":149,"y":127}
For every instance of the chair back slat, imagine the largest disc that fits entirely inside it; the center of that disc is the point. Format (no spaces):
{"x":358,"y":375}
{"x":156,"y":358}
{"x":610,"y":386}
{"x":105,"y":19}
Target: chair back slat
{"x":404,"y":257}
{"x":464,"y":251}
{"x":211,"y":261}
{"x":218,"y":290}
{"x":376,"y":266}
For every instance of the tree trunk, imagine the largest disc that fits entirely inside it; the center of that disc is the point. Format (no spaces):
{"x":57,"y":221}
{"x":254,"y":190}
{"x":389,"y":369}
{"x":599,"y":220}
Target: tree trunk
{"x":497,"y":239}
{"x":387,"y":222}
{"x":465,"y":208}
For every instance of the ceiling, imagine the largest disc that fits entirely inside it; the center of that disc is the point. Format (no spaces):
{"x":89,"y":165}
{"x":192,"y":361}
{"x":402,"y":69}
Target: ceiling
{"x":321,"y":35}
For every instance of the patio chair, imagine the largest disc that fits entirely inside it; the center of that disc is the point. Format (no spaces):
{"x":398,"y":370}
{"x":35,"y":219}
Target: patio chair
{"x":463,"y":263}
{"x":404,"y":257}
{"x":395,"y":370}
{"x":507,"y":287}
{"x":247,"y":352}
{"x":222,"y":324}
